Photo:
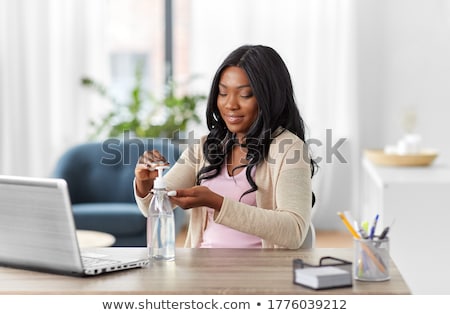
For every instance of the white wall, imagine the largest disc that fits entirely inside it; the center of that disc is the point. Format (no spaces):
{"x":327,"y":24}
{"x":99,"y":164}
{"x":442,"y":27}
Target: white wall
{"x":419,"y":70}
{"x":404,"y":63}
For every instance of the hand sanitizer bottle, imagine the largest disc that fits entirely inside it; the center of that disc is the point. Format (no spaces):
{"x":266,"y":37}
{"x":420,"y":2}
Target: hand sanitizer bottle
{"x":160,"y":222}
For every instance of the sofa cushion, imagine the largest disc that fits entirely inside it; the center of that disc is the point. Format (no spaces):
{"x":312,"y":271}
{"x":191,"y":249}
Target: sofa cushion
{"x":119,"y":219}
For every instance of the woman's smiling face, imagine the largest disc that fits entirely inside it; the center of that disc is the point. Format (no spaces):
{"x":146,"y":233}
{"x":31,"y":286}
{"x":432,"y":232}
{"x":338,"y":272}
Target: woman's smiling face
{"x":236,"y":103}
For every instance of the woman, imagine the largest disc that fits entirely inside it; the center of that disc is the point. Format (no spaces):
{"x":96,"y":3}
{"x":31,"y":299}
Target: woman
{"x":248,"y":182}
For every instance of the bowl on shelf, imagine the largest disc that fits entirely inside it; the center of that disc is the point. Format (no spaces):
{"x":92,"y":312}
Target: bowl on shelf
{"x":378,"y":156}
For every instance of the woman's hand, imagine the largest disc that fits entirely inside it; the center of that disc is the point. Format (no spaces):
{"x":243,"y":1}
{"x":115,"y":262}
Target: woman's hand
{"x":197,"y":196}
{"x":145,"y":171}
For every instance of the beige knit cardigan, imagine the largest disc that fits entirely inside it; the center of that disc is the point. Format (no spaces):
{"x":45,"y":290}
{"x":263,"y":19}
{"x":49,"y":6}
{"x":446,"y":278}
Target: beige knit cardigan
{"x":282,"y":214}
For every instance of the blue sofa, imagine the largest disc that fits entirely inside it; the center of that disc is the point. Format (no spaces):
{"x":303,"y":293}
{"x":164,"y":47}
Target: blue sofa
{"x":100,"y":180}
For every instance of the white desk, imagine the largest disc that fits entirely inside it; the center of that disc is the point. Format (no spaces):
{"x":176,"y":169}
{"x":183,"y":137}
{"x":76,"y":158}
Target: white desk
{"x":418,"y":199}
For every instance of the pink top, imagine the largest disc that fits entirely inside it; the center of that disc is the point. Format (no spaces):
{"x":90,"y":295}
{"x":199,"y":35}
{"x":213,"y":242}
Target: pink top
{"x":221,"y":236}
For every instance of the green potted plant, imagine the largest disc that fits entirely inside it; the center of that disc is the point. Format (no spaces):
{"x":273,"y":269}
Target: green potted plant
{"x":144,"y":115}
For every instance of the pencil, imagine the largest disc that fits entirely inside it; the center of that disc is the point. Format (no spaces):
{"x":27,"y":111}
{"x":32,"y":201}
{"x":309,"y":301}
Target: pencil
{"x":348,"y":225}
{"x":377,"y":262}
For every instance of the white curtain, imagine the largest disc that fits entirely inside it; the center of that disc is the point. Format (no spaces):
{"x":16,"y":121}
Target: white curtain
{"x":329,"y":94}
{"x":46,"y":46}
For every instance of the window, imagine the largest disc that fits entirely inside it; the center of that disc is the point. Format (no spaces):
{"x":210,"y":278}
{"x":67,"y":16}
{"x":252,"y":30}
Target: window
{"x":137,"y":35}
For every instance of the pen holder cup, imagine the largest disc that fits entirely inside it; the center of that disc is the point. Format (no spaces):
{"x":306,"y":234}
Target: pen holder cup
{"x":371,"y":259}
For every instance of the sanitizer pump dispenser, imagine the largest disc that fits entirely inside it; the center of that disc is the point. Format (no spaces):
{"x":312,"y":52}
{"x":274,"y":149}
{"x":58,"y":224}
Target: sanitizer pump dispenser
{"x":160,"y":222}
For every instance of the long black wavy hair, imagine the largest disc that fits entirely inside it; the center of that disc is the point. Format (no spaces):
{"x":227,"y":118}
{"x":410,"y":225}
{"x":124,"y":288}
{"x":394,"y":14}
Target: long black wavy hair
{"x":272,"y":86}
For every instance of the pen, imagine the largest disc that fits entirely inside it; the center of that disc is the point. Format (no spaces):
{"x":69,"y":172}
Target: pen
{"x":350,"y":219}
{"x":363,"y":233}
{"x":372,"y":230}
{"x":365,"y":226}
{"x":386,"y":230}
{"x":348,"y":225}
{"x":384,"y":233}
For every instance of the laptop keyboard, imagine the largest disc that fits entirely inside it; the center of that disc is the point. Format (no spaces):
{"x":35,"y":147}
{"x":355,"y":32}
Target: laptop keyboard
{"x":95,"y":262}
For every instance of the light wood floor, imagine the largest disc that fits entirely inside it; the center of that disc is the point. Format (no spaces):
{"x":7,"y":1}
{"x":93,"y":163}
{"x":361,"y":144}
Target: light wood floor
{"x":324,"y":239}
{"x":333,"y":239}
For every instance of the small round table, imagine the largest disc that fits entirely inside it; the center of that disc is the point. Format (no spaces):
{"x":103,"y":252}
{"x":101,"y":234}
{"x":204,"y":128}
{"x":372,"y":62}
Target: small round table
{"x":88,"y":238}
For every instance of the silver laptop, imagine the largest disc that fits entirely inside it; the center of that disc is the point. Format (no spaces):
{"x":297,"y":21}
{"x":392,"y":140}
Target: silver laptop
{"x":37,"y":231}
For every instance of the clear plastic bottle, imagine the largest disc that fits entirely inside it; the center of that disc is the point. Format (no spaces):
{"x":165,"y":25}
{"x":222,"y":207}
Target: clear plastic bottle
{"x":160,"y":222}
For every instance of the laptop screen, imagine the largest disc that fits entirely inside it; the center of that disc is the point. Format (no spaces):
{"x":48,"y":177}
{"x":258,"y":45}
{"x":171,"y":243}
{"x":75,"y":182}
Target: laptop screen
{"x":37,"y":229}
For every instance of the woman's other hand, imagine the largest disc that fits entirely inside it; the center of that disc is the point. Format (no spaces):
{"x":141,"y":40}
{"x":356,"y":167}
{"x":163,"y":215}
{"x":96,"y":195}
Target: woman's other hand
{"x":197,"y":196}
